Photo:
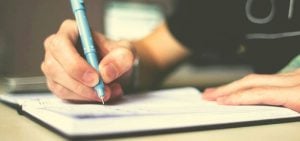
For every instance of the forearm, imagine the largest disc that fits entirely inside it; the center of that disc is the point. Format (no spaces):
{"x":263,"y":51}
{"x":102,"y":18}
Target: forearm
{"x":157,"y":53}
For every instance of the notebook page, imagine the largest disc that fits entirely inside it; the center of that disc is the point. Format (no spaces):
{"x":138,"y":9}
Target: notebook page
{"x":166,"y":109}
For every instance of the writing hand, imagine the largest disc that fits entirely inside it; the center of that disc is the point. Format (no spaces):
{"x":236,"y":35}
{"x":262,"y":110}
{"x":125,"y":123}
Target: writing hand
{"x":68,"y":74}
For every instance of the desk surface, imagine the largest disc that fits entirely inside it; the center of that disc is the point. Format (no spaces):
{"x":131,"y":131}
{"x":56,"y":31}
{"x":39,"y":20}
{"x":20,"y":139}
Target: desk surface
{"x":16,"y":127}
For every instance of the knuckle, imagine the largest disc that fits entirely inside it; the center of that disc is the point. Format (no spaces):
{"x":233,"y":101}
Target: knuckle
{"x":43,"y":68}
{"x":57,"y":42}
{"x":48,"y":68}
{"x":250,"y":76}
{"x":67,"y":22}
{"x":47,"y":64}
{"x":48,"y":41}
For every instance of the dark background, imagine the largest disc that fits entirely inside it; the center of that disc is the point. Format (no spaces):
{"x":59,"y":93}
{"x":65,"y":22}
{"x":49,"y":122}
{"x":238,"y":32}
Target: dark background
{"x":24,"y":25}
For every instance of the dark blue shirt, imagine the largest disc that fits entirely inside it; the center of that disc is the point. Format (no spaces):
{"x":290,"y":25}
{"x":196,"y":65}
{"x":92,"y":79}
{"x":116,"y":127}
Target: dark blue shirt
{"x":262,"y":33}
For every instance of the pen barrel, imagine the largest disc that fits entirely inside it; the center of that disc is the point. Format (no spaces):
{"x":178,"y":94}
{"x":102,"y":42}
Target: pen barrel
{"x":85,"y":33}
{"x":87,"y":40}
{"x":92,"y":60}
{"x":77,"y":5}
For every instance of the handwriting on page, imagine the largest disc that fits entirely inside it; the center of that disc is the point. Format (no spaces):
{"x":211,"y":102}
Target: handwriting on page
{"x":167,"y":104}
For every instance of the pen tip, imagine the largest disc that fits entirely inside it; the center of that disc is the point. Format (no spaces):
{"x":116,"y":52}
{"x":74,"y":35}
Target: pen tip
{"x":100,"y":94}
{"x":102,"y":100}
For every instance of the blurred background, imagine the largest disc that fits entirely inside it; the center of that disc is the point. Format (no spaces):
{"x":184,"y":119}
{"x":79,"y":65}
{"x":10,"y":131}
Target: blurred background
{"x":24,"y":25}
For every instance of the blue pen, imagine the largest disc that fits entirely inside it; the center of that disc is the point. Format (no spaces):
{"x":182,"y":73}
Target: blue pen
{"x":87,"y":41}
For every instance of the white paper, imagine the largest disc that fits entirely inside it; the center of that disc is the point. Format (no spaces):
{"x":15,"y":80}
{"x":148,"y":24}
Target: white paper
{"x":166,"y":109}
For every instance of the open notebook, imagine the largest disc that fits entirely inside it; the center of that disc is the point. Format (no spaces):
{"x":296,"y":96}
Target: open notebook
{"x":164,"y":111}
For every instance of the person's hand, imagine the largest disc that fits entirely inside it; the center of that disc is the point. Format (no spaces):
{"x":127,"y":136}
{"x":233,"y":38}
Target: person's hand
{"x":68,"y":74}
{"x":278,"y":89}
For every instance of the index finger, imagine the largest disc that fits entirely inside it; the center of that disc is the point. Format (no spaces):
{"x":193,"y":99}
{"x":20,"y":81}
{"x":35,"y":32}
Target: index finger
{"x":62,"y":48}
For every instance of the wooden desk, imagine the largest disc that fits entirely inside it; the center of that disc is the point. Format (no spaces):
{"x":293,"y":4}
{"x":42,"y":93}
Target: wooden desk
{"x":16,"y":127}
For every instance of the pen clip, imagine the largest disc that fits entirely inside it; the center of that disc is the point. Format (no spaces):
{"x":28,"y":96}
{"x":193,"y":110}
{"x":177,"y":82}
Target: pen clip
{"x":77,"y":5}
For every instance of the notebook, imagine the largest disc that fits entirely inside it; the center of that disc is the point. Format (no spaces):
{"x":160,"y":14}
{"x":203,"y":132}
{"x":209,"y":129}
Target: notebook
{"x":147,"y":113}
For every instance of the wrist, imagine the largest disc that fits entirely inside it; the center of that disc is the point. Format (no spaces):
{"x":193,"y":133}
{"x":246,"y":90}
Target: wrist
{"x":130,"y":80}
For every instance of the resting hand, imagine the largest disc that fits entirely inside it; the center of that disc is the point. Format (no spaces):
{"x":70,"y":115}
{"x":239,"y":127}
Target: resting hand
{"x":278,"y":89}
{"x":68,"y":74}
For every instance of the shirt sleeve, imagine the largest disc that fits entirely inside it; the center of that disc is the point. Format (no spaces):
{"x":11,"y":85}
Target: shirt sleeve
{"x":208,"y":27}
{"x":195,"y":19}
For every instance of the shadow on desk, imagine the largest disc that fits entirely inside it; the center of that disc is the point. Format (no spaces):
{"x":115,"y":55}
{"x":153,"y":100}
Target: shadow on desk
{"x":205,"y":76}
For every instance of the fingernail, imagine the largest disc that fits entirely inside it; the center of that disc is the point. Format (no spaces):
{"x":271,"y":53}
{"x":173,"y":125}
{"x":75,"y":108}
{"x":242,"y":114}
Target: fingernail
{"x":90,"y":78}
{"x":209,"y":90}
{"x":207,"y":93}
{"x":110,"y":73}
{"x":94,"y":97}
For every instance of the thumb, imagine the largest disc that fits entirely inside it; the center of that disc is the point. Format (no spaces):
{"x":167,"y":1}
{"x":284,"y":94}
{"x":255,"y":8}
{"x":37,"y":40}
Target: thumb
{"x":115,"y":64}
